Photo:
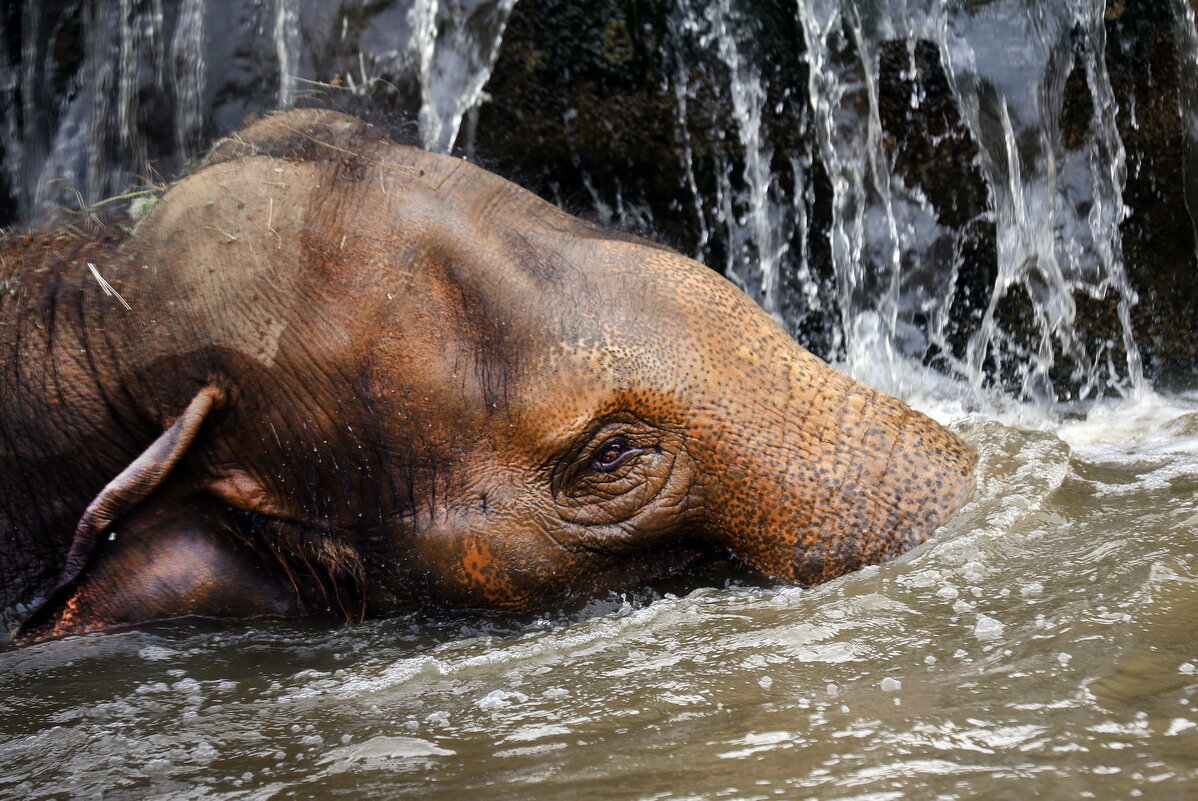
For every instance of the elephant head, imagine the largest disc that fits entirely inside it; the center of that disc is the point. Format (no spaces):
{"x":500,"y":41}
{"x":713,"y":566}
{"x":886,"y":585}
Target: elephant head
{"x":430,"y":384}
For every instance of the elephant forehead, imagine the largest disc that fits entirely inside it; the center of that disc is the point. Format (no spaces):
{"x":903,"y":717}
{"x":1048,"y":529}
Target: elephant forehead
{"x":533,"y":334}
{"x":546,"y":404}
{"x":491,"y":342}
{"x":454,"y":376}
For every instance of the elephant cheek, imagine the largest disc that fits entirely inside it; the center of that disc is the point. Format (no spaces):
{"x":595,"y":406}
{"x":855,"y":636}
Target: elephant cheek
{"x":482,"y":575}
{"x":488,"y":570}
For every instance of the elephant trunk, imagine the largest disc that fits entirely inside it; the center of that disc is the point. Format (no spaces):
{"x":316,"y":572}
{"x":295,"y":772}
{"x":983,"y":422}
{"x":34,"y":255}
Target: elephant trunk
{"x":839,"y":477}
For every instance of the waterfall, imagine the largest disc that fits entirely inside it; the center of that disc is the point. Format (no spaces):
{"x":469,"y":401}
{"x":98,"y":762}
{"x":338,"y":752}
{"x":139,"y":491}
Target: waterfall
{"x":911,"y":188}
{"x":867,"y":250}
{"x":1056,"y":211}
{"x":187,"y":76}
{"x":143,"y":62}
{"x":458,"y":42}
{"x":286,"y":49}
{"x":448,"y":47}
{"x":897,"y":263}
{"x":759,"y":222}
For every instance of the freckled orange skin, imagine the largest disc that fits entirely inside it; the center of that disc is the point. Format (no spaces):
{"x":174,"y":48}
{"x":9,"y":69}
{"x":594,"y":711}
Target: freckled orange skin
{"x":417,"y":363}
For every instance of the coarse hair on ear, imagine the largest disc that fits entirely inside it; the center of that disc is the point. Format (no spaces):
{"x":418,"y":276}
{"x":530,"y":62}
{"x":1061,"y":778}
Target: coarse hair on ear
{"x":326,"y":573}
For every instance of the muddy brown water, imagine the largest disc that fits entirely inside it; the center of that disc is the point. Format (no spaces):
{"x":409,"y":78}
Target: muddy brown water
{"x":1044,"y":644}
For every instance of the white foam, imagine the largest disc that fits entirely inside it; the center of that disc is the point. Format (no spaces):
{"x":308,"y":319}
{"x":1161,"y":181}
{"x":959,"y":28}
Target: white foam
{"x":379,"y":750}
{"x":988,"y":628}
{"x":500,"y":699}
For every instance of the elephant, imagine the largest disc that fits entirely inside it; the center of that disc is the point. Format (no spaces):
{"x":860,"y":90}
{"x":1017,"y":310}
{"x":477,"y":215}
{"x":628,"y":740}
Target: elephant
{"x":328,"y":374}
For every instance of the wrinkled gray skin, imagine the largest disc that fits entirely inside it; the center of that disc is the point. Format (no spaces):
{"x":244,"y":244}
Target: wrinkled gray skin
{"x":354,"y":376}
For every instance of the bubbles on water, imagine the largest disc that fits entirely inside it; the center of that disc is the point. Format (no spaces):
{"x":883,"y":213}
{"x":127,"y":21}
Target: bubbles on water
{"x":974,"y":572}
{"x":157,"y":653}
{"x":500,"y":699}
{"x":378,"y":753}
{"x":988,"y":628}
{"x":1178,"y":725}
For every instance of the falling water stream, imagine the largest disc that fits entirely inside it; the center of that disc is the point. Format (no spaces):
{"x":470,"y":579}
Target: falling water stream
{"x":1040,"y":645}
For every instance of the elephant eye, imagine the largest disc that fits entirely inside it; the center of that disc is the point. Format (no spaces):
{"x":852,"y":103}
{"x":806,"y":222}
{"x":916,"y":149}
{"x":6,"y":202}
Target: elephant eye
{"x":611,"y":454}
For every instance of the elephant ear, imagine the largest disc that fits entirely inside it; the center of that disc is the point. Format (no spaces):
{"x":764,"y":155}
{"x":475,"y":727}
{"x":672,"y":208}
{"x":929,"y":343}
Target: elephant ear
{"x":135,"y":483}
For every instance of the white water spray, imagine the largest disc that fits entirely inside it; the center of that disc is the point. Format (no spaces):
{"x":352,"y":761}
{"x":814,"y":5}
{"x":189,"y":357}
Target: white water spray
{"x":286,"y":49}
{"x":1056,"y":211}
{"x":758,"y":220}
{"x":457,"y":42}
{"x":187,"y":76}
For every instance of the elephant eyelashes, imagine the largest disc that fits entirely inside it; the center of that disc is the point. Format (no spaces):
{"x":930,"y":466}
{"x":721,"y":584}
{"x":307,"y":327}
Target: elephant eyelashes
{"x":612,"y":454}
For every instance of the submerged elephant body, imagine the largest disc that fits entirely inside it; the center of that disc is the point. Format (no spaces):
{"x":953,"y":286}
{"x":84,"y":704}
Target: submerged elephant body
{"x":331,"y":372}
